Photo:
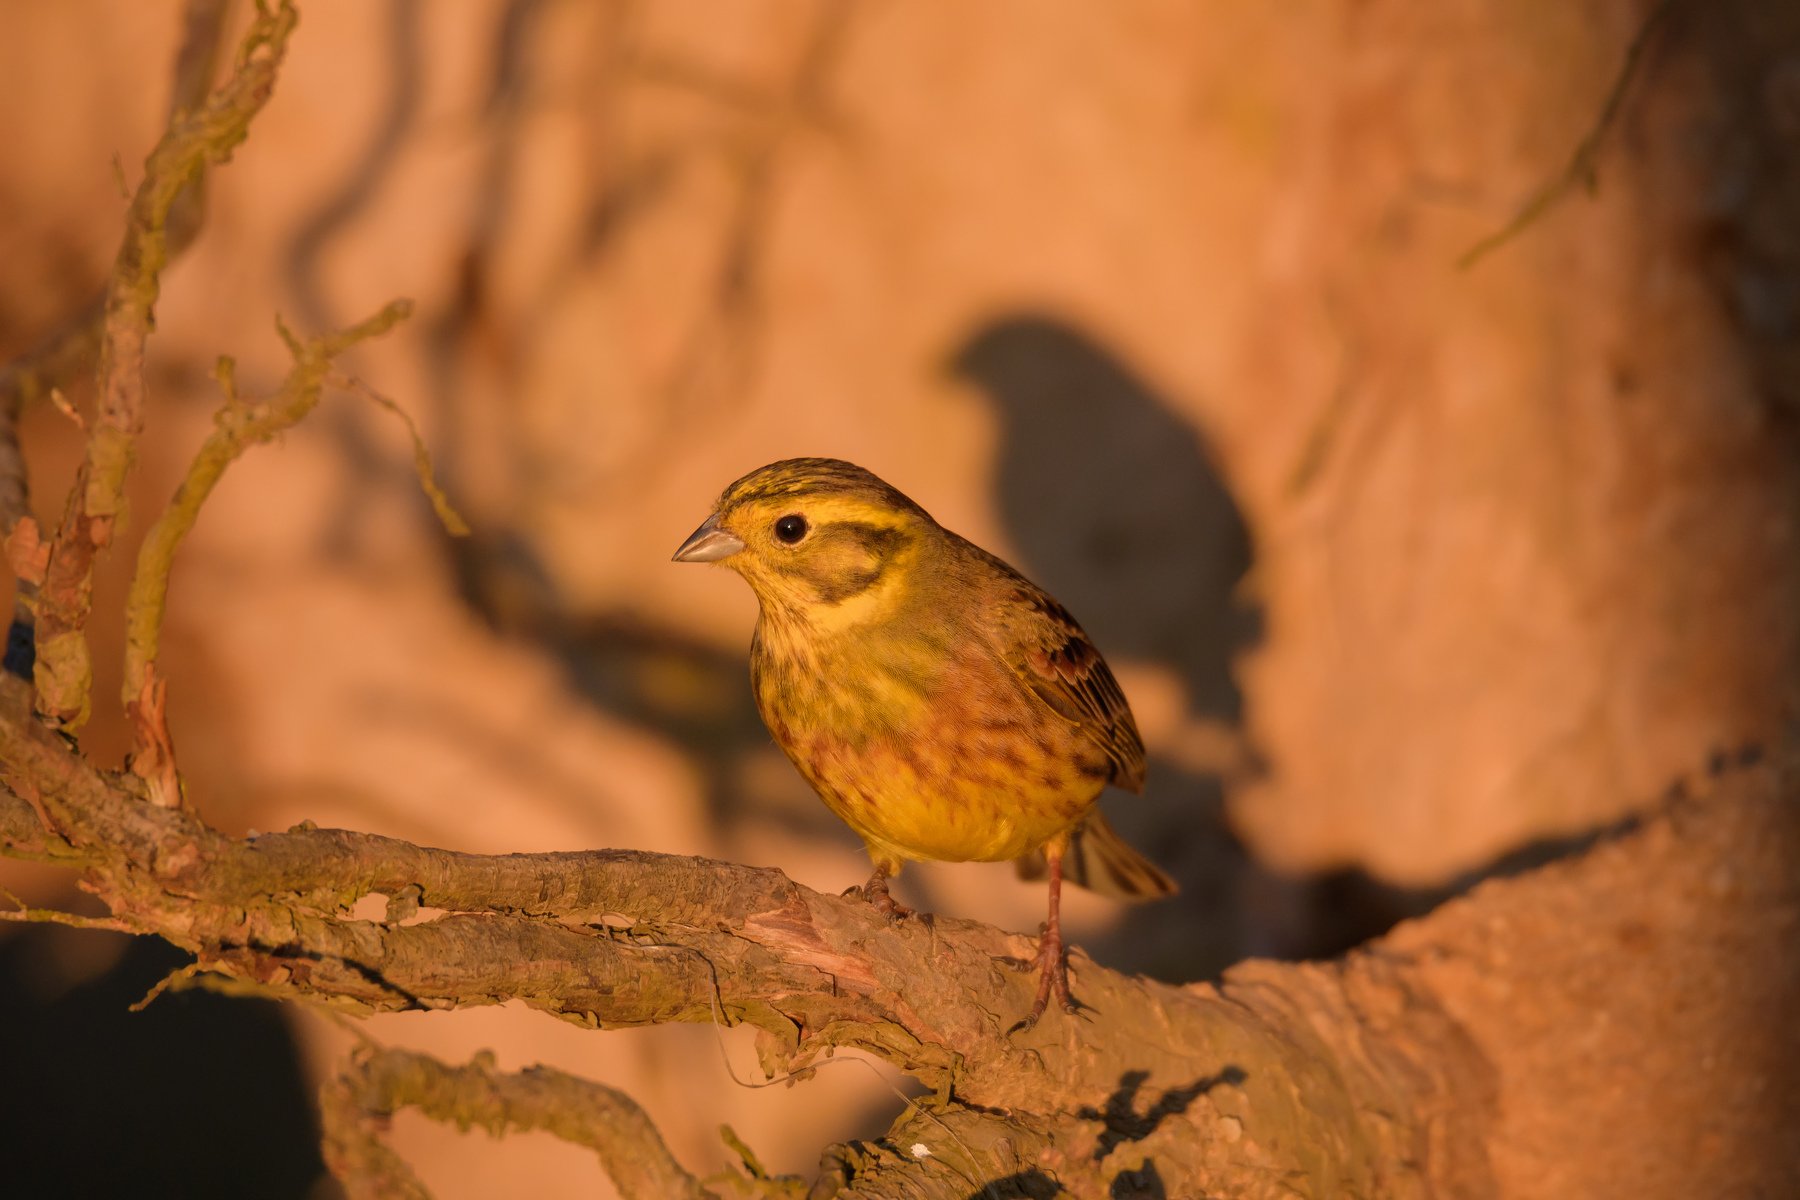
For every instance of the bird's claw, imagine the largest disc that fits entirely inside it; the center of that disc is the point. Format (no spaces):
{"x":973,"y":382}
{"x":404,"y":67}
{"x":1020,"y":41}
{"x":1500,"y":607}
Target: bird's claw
{"x":876,"y":893}
{"x":1052,"y":964}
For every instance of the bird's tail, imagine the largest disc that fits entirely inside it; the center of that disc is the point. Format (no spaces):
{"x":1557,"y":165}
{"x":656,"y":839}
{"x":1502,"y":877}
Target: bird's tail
{"x":1101,"y":861}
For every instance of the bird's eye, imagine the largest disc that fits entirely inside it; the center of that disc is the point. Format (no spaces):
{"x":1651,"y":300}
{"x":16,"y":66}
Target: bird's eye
{"x":791,"y":528}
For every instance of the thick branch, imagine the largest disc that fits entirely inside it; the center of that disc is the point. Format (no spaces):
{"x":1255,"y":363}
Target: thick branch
{"x":1418,"y":1067}
{"x":206,"y":134}
{"x":625,"y":938}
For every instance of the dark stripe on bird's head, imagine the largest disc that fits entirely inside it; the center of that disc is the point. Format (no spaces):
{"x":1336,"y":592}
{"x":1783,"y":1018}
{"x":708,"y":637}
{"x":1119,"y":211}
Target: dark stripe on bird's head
{"x":845,"y":559}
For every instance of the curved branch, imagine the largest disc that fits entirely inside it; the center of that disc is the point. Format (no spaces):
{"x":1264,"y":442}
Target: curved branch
{"x":236,"y":428}
{"x":377,"y":1083}
{"x":1582,"y":169}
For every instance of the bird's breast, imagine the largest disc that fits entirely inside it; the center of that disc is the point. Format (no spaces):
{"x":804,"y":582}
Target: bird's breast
{"x":922,"y":744}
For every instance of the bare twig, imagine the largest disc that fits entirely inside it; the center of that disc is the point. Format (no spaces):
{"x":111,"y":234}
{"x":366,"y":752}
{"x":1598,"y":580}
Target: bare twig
{"x":23,"y":912}
{"x":375,"y":1084}
{"x":70,"y":347}
{"x":440,"y":502}
{"x":1583,"y":166}
{"x":236,"y":427}
{"x":207,"y":134}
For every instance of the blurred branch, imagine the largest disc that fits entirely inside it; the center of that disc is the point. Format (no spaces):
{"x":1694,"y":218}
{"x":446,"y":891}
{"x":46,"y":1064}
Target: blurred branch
{"x":377,"y":1083}
{"x":207,"y":134}
{"x":70,"y":347}
{"x":1583,"y":168}
{"x":403,"y":73}
{"x":56,"y":359}
{"x":721,"y":342}
{"x":447,"y":515}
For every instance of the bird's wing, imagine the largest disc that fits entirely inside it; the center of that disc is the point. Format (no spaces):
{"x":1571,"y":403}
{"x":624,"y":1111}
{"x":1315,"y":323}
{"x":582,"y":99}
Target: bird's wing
{"x":1041,"y":642}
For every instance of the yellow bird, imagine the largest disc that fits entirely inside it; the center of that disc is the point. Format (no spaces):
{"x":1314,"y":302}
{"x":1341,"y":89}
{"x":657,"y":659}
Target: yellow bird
{"x":941,"y":704}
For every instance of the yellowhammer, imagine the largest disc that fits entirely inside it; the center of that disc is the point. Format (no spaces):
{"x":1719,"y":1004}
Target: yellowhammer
{"x":938,"y":701}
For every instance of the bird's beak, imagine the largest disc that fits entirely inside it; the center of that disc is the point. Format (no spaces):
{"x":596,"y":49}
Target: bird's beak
{"x":709,"y":543}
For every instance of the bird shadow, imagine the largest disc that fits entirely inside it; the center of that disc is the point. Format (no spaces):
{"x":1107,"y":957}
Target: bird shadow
{"x":1114,"y":501}
{"x":1125,"y":1122}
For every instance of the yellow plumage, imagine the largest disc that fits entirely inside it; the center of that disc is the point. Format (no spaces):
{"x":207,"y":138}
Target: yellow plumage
{"x":941,"y":704}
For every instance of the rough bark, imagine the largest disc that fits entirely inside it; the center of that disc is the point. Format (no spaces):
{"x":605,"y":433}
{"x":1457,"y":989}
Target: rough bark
{"x":1468,"y":1054}
{"x":206,"y":134}
{"x":614,"y":938}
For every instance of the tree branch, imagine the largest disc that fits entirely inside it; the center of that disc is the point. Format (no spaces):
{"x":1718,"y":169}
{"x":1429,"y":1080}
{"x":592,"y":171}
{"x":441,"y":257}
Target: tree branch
{"x":207,"y":134}
{"x":1383,"y":1074}
{"x":60,"y":354}
{"x":1582,"y":169}
{"x":377,"y":1083}
{"x":625,"y":938}
{"x":236,"y":428}
{"x":71,"y":346}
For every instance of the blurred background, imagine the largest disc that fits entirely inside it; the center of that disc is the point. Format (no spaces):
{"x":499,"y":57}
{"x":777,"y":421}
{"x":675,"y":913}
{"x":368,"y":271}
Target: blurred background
{"x":1412,"y":572}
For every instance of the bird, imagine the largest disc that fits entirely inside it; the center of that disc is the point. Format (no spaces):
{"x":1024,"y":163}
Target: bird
{"x":942,"y":705}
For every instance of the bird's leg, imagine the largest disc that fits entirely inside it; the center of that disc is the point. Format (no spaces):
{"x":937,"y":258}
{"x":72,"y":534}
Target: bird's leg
{"x":1052,"y":956}
{"x":876,"y":892}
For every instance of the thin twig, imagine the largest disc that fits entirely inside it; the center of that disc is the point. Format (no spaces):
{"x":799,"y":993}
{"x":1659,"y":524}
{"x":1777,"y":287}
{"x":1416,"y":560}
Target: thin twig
{"x":1583,"y":167}
{"x":67,"y":349}
{"x":25,"y":913}
{"x":447,"y":515}
{"x":236,"y":427}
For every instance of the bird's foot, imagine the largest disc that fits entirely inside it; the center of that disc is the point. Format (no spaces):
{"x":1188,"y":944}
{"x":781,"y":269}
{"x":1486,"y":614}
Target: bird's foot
{"x":1052,"y":965}
{"x":876,"y":893}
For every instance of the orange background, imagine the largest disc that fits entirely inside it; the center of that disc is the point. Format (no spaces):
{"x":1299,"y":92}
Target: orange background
{"x":1406,"y":568}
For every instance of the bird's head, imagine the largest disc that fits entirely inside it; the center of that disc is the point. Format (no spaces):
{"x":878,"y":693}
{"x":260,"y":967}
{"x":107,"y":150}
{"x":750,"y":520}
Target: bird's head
{"x":810,"y":534}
